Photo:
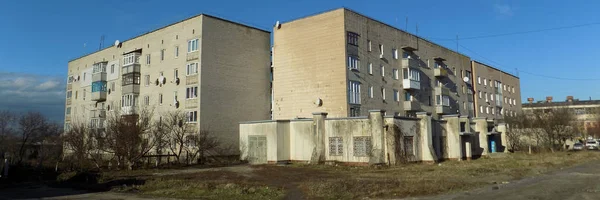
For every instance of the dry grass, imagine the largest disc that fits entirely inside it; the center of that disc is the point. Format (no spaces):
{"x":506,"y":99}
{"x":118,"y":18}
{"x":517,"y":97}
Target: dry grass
{"x":346,"y":182}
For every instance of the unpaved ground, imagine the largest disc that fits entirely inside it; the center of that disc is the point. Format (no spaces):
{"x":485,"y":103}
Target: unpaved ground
{"x":576,"y":183}
{"x":327,"y":182}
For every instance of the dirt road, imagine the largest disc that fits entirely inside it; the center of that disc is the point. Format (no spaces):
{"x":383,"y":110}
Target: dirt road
{"x":579,"y":182}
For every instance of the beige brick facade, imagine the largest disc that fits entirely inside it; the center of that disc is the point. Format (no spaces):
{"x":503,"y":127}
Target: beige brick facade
{"x":232,"y":78}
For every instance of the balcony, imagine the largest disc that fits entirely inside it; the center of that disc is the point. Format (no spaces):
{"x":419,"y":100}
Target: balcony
{"x":69,"y":101}
{"x":440,"y":72}
{"x":99,"y":113}
{"x":128,"y":110}
{"x":408,"y":84}
{"x":499,"y":99}
{"x":440,"y":90}
{"x":408,"y":63}
{"x":192,"y":56}
{"x":99,"y":91}
{"x":441,"y":109}
{"x":69,"y":86}
{"x":99,"y":96}
{"x":132,"y":58}
{"x":191,"y":79}
{"x":470,"y":97}
{"x":191,"y":103}
{"x":412,"y":106}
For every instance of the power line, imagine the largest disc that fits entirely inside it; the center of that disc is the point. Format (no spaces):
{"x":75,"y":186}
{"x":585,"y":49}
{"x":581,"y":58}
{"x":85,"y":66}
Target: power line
{"x":522,"y":32}
{"x":533,"y":74}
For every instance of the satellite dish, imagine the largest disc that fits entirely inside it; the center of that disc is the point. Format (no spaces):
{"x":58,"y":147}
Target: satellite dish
{"x":319,"y":102}
{"x":277,"y":25}
{"x":466,"y":79}
{"x":117,"y":43}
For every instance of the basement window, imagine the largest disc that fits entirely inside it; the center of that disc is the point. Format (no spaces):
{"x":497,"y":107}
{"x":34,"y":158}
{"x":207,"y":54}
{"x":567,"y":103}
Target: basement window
{"x":336,"y":146}
{"x":362,"y":146}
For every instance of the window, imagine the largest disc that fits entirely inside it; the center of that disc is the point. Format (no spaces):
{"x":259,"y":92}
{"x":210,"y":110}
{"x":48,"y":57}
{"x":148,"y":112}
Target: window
{"x":479,"y":92}
{"x":146,"y":100}
{"x":160,"y":99}
{"x":479,"y":80}
{"x":192,"y":68}
{"x":112,"y":86}
{"x":128,"y":100}
{"x":396,"y":95}
{"x":84,"y":76}
{"x":175,"y":74}
{"x":354,"y":92}
{"x":405,"y":54}
{"x":504,"y":87}
{"x":486,"y":97}
{"x":468,"y":73}
{"x":147,"y":80}
{"x":371,"y":92}
{"x":409,"y":145}
{"x":464,"y":90}
{"x":191,"y":92}
{"x":354,"y":111}
{"x":68,"y":110}
{"x":383,"y":93}
{"x":69,"y":93}
{"x":395,"y":73}
{"x":175,"y":96}
{"x":112,"y":68}
{"x":442,"y":100}
{"x":395,"y":53}
{"x":411,"y":74}
{"x":491,"y":97}
{"x":370,"y":68}
{"x":362,"y":146}
{"x":192,"y":45}
{"x":487,"y":110}
{"x":407,"y":96}
{"x":131,"y":79}
{"x":192,"y":116}
{"x":353,"y":62}
{"x":147,"y":59}
{"x":493,"y":111}
{"x":336,"y":146}
{"x":513,"y":89}
{"x":176,"y":51}
{"x":382,"y":68}
{"x":84,"y":94}
{"x":353,"y":38}
{"x":481,"y":109}
{"x":99,"y":86}
{"x":369,"y":45}
{"x":505,"y":100}
{"x":381,"y":49}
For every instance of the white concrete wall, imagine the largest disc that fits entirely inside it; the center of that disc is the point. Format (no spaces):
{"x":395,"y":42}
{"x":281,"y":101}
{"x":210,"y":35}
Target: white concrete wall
{"x":268,"y":129}
{"x":301,"y":145}
{"x":347,"y":129}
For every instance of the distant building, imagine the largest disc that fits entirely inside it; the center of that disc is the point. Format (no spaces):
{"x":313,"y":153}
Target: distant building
{"x":586,"y":111}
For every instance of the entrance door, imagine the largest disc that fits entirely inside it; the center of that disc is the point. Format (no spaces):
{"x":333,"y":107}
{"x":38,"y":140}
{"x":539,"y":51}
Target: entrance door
{"x":257,"y":152}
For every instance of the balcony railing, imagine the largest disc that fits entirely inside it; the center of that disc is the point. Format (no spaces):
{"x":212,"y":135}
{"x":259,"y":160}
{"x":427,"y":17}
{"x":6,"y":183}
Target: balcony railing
{"x":100,"y":113}
{"x":441,"y":90}
{"x":408,"y":84}
{"x":68,"y":101}
{"x":412,"y":106}
{"x":441,"y":109}
{"x":192,"y":56}
{"x":191,"y":103}
{"x":192,"y":79}
{"x":128,"y":110}
{"x":408,"y":62}
{"x":440,"y":72}
{"x":499,"y":99}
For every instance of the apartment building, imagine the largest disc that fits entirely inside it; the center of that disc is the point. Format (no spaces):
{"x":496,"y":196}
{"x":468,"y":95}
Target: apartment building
{"x":216,"y":70}
{"x":497,"y":93}
{"x":587,"y":112}
{"x":345,"y":63}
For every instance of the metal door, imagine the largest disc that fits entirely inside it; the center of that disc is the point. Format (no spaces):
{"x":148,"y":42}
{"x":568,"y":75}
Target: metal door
{"x":257,"y":153}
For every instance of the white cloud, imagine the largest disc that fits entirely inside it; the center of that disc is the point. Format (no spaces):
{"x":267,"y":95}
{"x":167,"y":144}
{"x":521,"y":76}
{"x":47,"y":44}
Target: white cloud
{"x":21,"y":92}
{"x":504,"y":10}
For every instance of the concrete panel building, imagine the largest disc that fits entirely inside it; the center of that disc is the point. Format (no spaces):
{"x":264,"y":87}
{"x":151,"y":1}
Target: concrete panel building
{"x":497,"y":93}
{"x":216,"y":70}
{"x":344,"y":63}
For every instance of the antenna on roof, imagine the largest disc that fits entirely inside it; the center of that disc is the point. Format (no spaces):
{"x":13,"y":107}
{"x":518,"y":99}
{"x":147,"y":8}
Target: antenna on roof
{"x":101,"y":42}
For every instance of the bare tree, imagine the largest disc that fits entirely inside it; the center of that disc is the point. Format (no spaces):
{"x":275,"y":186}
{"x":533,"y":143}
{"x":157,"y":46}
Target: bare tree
{"x":200,"y":144}
{"x":7,"y":123}
{"x":31,"y":126}
{"x":127,"y":136}
{"x":77,"y":144}
{"x":177,"y":128}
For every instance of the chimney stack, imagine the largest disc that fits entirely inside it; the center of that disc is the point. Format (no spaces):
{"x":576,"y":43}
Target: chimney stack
{"x":530,"y":100}
{"x":569,"y":98}
{"x":549,"y":99}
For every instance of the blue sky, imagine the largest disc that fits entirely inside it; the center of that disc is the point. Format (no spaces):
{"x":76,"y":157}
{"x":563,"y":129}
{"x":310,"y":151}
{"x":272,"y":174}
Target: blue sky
{"x":38,"y":38}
